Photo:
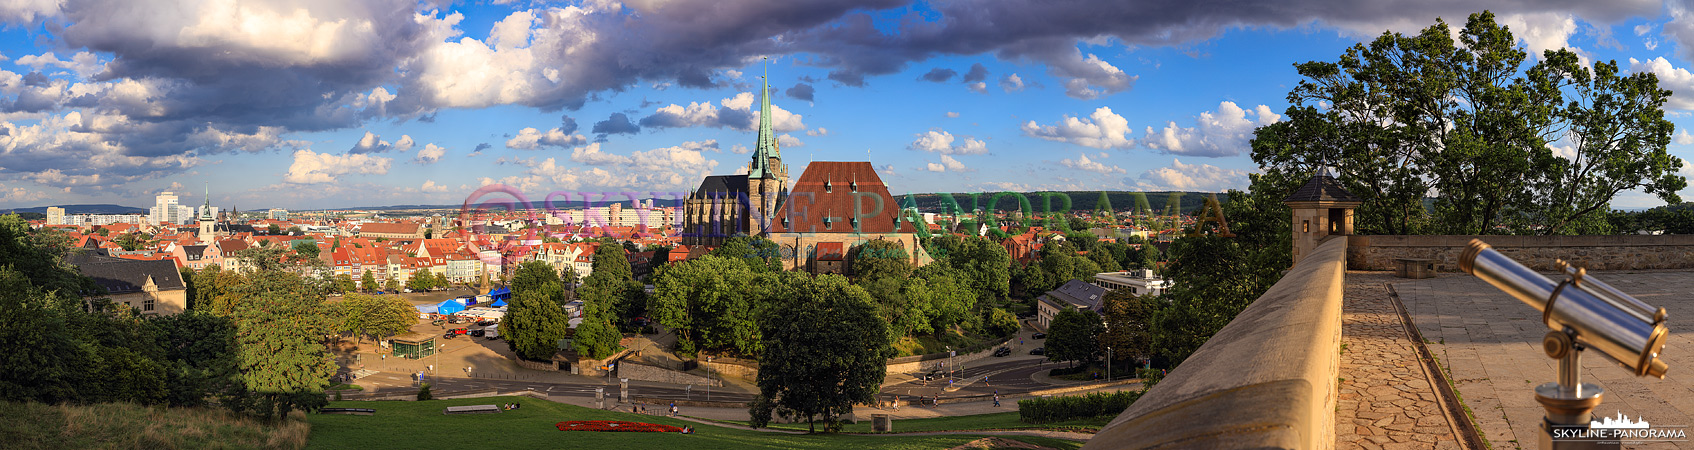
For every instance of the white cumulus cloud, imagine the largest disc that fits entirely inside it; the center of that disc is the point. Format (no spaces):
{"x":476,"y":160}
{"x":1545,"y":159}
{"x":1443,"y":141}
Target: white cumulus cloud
{"x":1102,"y":129}
{"x":947,"y":164}
{"x":1190,"y":177}
{"x":1223,"y":133}
{"x":1083,"y":163}
{"x":313,"y":168}
{"x":940,"y":141}
{"x":430,"y":154}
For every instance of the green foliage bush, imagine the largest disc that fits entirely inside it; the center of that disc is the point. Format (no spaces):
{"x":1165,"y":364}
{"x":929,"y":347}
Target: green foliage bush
{"x":1057,"y":409}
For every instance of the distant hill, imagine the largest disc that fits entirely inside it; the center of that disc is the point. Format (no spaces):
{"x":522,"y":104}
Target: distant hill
{"x":575,"y":202}
{"x":86,"y":209}
{"x":1079,"y":200}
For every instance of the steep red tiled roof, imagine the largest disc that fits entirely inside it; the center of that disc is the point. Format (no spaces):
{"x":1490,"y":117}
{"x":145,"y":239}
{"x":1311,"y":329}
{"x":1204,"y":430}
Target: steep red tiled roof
{"x":389,"y":228}
{"x":830,"y":251}
{"x":834,"y":189}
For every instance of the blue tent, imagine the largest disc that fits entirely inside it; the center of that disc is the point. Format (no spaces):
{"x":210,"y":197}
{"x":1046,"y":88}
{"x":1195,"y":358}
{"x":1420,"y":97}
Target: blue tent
{"x":498,"y":294}
{"x":498,"y":303}
{"x":427,"y":309}
{"x":449,"y":307}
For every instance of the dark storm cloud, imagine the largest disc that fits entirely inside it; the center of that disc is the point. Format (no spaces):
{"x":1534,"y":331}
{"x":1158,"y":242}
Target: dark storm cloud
{"x":977,"y":73}
{"x":801,"y":91}
{"x":618,"y":123}
{"x":939,"y":75}
{"x":567,"y":125}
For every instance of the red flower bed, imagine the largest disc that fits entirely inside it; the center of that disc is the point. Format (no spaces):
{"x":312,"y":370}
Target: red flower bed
{"x":616,"y":425}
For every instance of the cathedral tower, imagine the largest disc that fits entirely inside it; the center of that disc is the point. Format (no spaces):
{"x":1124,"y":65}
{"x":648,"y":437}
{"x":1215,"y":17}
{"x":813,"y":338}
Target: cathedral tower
{"x":767,"y":176}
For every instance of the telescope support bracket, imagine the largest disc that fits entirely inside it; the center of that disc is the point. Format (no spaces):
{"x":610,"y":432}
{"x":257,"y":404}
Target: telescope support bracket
{"x":1569,"y":402}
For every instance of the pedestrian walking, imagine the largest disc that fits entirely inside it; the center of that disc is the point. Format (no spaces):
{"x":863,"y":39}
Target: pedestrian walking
{"x":937,"y":402}
{"x":996,"y":400}
{"x":673,"y":409}
{"x":896,"y":403}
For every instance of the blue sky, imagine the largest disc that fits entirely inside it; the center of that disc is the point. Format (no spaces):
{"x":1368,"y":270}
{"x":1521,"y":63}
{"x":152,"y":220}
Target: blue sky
{"x":338,"y":103}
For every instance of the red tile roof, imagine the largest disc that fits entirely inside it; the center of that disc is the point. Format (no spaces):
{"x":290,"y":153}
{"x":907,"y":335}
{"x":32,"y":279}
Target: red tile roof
{"x":830,"y":251}
{"x":833,"y":189}
{"x":389,"y":228}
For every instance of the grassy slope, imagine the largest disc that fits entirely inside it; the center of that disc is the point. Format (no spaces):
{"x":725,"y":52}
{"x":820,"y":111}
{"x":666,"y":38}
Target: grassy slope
{"x":120,"y":425}
{"x":400,"y":424}
{"x":995,"y":421}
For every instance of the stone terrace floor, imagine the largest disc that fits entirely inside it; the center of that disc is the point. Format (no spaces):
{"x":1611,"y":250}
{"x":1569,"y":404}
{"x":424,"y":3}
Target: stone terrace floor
{"x":1491,"y":344}
{"x":1386,"y":399}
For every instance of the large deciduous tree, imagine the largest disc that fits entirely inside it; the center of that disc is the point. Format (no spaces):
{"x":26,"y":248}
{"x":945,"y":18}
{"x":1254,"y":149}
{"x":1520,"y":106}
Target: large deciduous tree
{"x":878,"y":259}
{"x":711,"y":302}
{"x":535,"y":323}
{"x":1129,"y":324}
{"x":760,"y":254}
{"x":1499,"y":147}
{"x":1073,"y":336}
{"x":824,"y":352}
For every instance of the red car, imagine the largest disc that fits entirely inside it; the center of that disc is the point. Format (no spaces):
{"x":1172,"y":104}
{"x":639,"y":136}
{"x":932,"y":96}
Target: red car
{"x":452,"y":332}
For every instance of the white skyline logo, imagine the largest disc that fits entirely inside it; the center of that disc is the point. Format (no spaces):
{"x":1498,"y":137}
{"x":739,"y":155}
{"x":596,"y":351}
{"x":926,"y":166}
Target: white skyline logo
{"x":1620,"y":422}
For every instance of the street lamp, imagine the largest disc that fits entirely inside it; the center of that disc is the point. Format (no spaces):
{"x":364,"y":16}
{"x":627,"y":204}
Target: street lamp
{"x":1108,"y":364}
{"x":708,"y":378}
{"x":949,"y":370}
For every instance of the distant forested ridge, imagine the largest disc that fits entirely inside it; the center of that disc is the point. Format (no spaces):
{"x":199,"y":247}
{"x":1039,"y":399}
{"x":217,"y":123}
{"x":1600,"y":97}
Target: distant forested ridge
{"x":1079,"y":200}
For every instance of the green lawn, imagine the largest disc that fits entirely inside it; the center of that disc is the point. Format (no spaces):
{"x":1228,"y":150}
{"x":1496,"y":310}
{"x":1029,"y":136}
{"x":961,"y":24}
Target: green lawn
{"x":402,"y":424}
{"x":995,"y":421}
{"x":124,"y":425}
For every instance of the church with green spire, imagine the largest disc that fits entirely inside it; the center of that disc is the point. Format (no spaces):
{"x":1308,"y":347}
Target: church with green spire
{"x":727,"y":205}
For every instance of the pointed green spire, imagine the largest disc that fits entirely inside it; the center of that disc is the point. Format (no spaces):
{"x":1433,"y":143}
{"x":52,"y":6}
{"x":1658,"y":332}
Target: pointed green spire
{"x":767,"y":147}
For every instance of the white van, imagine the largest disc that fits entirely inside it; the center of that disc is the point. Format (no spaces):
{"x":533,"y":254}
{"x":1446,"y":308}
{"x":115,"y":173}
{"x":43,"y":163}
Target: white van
{"x":491,"y":332}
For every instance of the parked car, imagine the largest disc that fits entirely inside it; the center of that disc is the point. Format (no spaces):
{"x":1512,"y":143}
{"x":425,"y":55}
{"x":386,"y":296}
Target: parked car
{"x":640,"y":322}
{"x":1003,"y":351}
{"x":485,"y":323}
{"x":454,"y":332}
{"x":1038,"y":336}
{"x":1038,"y":351}
{"x":476,"y":333}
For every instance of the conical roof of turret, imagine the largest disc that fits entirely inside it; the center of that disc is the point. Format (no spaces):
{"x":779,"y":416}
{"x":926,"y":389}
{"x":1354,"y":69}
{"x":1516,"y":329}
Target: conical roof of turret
{"x":1322,"y":188}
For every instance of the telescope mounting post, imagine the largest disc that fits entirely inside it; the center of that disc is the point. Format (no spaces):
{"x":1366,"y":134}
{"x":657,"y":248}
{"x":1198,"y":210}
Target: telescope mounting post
{"x":1569,"y":402}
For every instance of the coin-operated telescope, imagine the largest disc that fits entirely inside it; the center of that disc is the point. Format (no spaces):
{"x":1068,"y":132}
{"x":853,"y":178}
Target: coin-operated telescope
{"x":1582,"y":313}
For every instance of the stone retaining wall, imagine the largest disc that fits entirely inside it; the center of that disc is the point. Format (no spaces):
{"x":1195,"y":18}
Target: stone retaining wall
{"x":645,"y":372}
{"x":1266,"y":380}
{"x":1538,"y":252}
{"x":924,"y":363}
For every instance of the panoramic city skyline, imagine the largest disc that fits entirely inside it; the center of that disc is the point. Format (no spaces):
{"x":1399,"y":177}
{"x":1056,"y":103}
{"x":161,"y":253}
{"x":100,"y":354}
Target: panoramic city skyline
{"x":309,"y":105}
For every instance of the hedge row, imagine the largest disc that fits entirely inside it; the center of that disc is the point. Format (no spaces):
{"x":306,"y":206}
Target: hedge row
{"x":1057,"y":409}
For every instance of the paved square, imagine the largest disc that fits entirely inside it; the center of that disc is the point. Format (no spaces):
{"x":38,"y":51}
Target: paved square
{"x":1491,"y":345}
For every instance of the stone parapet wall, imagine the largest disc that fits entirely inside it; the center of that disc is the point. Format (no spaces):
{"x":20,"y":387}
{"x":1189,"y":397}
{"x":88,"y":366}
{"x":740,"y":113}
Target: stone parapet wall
{"x":1537,"y":252}
{"x":1266,"y":380}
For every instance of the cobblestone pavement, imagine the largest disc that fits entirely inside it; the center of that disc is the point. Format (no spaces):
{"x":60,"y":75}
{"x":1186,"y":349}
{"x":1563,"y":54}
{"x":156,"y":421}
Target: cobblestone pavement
{"x":1491,"y":344}
{"x":1386,"y":400}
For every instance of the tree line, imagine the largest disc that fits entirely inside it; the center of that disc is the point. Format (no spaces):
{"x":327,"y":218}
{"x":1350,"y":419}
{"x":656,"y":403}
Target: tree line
{"x":255,"y":344}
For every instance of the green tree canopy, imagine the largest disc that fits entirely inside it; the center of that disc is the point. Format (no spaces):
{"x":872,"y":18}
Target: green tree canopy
{"x":1072,"y":336}
{"x":535,"y":323}
{"x":533,"y":275}
{"x":1129,"y":324}
{"x":879,"y":258}
{"x":712,"y":303}
{"x":824,"y":352}
{"x":759,"y":254}
{"x":1410,"y":117}
{"x":306,"y":249}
